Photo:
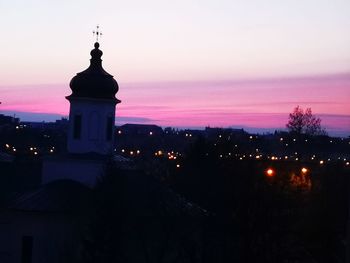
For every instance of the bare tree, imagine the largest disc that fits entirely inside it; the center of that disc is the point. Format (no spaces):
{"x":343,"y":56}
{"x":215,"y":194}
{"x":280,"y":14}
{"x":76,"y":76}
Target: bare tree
{"x":304,"y":122}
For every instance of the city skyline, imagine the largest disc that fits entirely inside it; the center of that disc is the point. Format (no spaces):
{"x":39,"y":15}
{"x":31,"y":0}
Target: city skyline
{"x":185,"y":64}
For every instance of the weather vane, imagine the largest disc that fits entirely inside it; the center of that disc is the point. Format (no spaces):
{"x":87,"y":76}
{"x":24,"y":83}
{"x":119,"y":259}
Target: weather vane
{"x":97,"y":32}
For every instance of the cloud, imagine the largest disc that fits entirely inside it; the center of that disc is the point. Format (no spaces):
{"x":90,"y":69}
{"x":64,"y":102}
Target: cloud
{"x":49,"y":117}
{"x":34,"y":116}
{"x":128,"y":119}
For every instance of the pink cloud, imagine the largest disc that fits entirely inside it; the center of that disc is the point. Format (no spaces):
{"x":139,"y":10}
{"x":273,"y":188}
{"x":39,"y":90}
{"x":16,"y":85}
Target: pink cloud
{"x":260,"y":103}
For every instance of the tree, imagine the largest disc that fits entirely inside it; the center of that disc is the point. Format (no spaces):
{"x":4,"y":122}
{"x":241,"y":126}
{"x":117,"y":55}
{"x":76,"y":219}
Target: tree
{"x":304,"y":122}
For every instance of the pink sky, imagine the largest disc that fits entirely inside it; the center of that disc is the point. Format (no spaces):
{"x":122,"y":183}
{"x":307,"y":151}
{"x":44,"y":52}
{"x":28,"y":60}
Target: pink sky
{"x":260,"y":103}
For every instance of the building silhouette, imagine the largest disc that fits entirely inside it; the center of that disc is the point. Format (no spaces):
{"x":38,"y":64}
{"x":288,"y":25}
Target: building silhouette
{"x":92,"y":109}
{"x":54,"y":221}
{"x":91,"y":132}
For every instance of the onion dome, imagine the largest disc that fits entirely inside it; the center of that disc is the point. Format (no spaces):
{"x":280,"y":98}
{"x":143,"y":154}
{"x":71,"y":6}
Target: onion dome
{"x":94,"y":82}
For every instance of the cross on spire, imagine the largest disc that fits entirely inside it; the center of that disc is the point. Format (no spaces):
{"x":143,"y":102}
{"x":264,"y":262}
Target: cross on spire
{"x":97,"y":32}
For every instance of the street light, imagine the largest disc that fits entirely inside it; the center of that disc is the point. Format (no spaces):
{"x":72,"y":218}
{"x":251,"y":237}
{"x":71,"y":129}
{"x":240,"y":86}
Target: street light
{"x":270,"y":172}
{"x":304,"y":170}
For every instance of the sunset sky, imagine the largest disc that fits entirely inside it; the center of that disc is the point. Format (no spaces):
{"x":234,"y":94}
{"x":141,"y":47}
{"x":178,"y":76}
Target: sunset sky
{"x":183,"y":63}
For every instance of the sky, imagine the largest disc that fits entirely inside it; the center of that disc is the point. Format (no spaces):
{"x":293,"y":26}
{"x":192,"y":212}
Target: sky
{"x":183,"y":63}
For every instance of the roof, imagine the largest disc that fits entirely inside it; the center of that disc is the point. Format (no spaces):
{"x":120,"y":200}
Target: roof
{"x":141,"y":128}
{"x":57,"y":196}
{"x":146,"y":196}
{"x":94,"y":82}
{"x":4,"y":157}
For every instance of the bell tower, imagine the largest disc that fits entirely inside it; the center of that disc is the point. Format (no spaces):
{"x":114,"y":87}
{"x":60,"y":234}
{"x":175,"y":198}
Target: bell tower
{"x":90,"y":138}
{"x":92,"y":109}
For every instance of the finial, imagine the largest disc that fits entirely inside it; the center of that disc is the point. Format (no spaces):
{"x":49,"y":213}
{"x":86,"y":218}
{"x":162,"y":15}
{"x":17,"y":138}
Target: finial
{"x":97,"y":32}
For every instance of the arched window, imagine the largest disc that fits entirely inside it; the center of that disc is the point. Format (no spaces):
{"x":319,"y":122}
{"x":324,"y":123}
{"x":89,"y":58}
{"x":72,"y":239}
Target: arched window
{"x":27,"y":249}
{"x":94,"y":126}
{"x":77,"y":126}
{"x":109,"y":128}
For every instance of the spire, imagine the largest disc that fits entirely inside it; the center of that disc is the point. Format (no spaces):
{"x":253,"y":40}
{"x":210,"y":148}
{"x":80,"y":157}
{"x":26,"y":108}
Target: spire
{"x":94,"y":82}
{"x":97,"y":33}
{"x":96,"y":55}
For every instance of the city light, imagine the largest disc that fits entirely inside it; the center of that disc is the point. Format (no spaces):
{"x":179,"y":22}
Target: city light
{"x":304,"y":170}
{"x":270,"y":172}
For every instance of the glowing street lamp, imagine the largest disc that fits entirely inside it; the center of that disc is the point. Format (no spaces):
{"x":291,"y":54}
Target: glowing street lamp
{"x":270,"y":172}
{"x":304,"y":170}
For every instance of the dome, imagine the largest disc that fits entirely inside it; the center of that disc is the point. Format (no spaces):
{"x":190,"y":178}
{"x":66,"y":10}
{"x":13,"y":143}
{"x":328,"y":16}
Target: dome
{"x":94,"y":82}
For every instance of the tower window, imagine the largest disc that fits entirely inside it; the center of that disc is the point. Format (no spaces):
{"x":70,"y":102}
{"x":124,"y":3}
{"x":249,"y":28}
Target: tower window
{"x":109,"y":128}
{"x":77,"y":127}
{"x":94,"y":126}
{"x":27,"y":249}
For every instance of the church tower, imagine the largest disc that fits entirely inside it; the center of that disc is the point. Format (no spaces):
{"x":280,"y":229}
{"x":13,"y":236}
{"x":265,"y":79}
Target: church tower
{"x":90,"y":137}
{"x":92,"y":109}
